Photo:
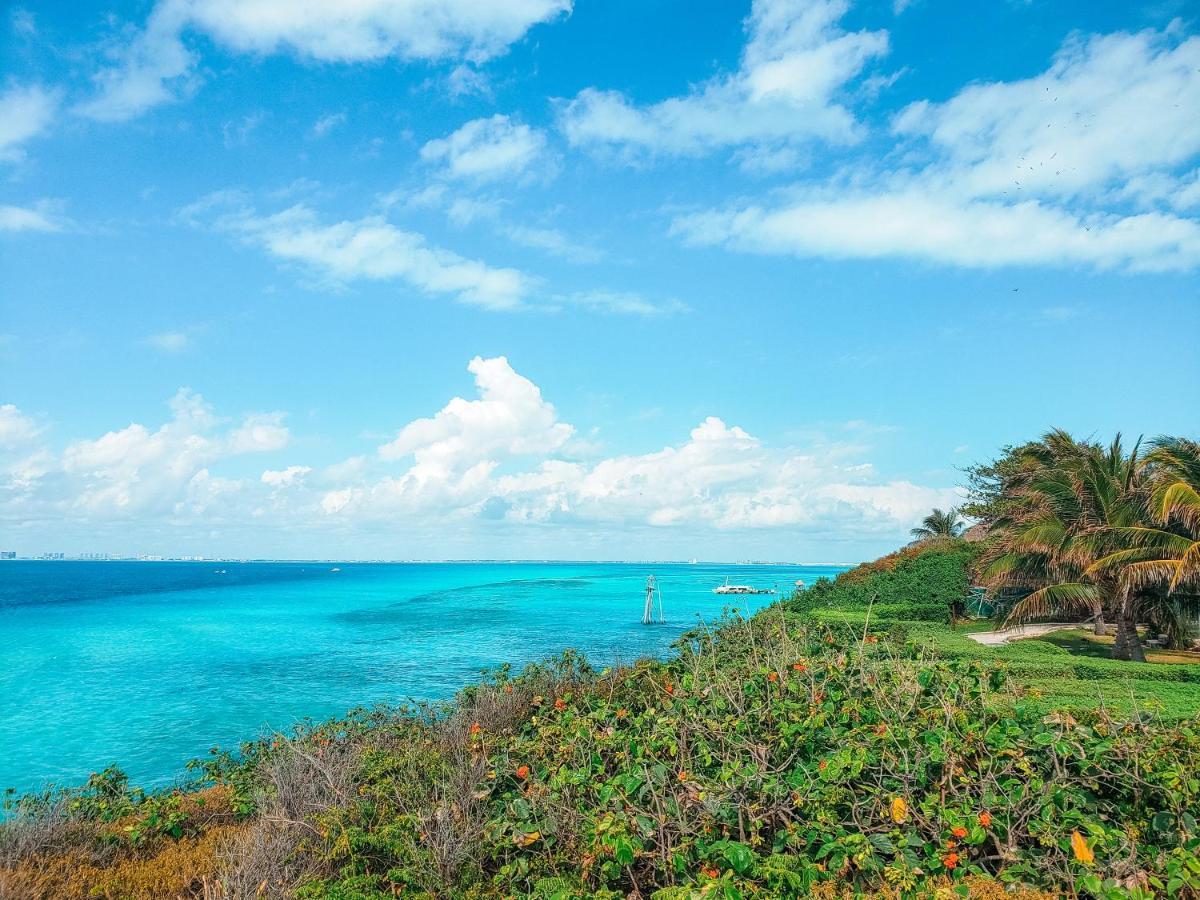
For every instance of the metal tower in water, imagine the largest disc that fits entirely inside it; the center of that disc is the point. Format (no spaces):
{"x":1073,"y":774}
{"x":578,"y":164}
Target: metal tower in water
{"x":652,"y":593}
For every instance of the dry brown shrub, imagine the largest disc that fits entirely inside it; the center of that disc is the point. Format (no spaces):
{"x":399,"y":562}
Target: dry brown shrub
{"x":178,"y":869}
{"x":268,"y":857}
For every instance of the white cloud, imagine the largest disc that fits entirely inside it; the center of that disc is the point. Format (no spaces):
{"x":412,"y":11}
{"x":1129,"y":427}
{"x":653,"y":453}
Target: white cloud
{"x":16,"y":428}
{"x":164,"y":471}
{"x":624,"y":302}
{"x":169,"y":341}
{"x":796,"y":62}
{"x":504,"y":458}
{"x":487,"y":150}
{"x":364,"y":249}
{"x":466,"y":464}
{"x":157,"y":62}
{"x":327,"y":123}
{"x":285,"y":477}
{"x":21,"y":218}
{"x":554,"y":242}
{"x":25,"y":112}
{"x":1107,"y":107}
{"x":917,"y":224}
{"x":1032,"y":172}
{"x":510,"y":418}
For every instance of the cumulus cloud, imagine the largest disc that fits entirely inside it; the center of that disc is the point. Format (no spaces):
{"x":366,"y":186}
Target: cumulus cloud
{"x":1090,"y":163}
{"x":796,"y":64}
{"x":487,"y":150}
{"x":510,"y":418}
{"x":25,"y":112}
{"x":158,"y":63}
{"x":16,"y":428}
{"x":146,"y":472}
{"x":369,"y":249}
{"x":504,"y":457}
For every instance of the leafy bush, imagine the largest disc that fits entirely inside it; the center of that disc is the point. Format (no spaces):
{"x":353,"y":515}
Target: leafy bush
{"x":917,"y":584}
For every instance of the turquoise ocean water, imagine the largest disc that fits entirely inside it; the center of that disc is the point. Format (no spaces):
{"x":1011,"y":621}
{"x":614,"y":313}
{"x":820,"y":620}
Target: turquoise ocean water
{"x":149,"y":664}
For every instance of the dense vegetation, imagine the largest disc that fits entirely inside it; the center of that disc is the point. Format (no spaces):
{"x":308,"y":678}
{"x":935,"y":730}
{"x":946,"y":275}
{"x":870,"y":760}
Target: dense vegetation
{"x":1079,"y":528}
{"x":845,"y":741}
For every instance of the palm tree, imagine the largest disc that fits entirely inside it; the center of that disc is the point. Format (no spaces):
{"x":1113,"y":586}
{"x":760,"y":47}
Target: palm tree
{"x":1160,"y":562}
{"x":939,"y":524}
{"x":1070,"y":504}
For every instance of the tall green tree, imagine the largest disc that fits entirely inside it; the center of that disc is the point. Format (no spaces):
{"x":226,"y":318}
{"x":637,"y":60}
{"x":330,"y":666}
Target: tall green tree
{"x":1159,"y":562}
{"x":1066,"y":506}
{"x":939,"y":524}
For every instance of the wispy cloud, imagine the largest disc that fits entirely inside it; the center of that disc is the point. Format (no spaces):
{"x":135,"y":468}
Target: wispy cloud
{"x":169,"y":341}
{"x":26,"y":111}
{"x":1016,"y":173}
{"x":488,"y":150}
{"x":156,"y":64}
{"x":796,"y":61}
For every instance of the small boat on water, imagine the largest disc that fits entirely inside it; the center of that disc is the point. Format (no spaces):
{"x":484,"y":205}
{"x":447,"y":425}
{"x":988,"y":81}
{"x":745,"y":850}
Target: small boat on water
{"x":728,"y":588}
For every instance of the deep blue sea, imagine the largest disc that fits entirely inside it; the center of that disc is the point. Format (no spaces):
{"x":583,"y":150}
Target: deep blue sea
{"x":149,"y":664}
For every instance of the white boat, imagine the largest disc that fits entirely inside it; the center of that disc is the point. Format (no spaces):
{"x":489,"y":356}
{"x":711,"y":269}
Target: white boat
{"x":728,"y":588}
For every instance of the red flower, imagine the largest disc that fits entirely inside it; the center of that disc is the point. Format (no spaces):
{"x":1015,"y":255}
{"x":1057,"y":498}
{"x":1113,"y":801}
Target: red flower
{"x":950,"y":860}
{"x":985,"y":819}
{"x":773,"y":676}
{"x":560,"y":704}
{"x":959,"y":832}
{"x":799,"y":667}
{"x":522,"y":772}
{"x":476,"y":728}
{"x":669,"y":688}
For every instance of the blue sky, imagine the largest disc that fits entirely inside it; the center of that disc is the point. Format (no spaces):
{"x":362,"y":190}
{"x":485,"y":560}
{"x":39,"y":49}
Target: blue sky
{"x":451,"y":279}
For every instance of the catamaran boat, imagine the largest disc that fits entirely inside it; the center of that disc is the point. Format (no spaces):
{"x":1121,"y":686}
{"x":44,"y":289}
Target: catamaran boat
{"x":728,"y":588}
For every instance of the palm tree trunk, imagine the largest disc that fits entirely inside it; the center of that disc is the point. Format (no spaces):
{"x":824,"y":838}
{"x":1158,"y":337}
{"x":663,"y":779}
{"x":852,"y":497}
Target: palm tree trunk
{"x":1099,"y":614}
{"x":1128,"y":645}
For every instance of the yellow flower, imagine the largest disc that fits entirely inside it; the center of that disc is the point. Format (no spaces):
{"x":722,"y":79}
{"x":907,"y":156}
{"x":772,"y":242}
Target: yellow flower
{"x":899,"y":810}
{"x":1082,"y":851}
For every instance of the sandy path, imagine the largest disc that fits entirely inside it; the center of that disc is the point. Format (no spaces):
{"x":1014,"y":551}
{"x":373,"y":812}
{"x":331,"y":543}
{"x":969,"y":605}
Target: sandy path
{"x":1020,"y":631}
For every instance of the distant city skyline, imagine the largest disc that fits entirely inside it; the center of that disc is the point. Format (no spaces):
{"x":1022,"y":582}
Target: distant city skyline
{"x":575,"y":280}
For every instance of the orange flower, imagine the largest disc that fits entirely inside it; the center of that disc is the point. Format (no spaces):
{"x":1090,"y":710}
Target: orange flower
{"x":773,"y":676}
{"x":985,"y":819}
{"x":821,"y":765}
{"x":799,"y":667}
{"x":622,"y":713}
{"x":950,"y":860}
{"x":1080,"y":848}
{"x":508,"y":689}
{"x":522,"y":772}
{"x":951,"y":843}
{"x":476,"y":728}
{"x":683,"y":776}
{"x":710,"y":871}
{"x":959,"y":832}
{"x":560,"y":704}
{"x":880,"y":730}
{"x":872,"y":639}
{"x":669,"y":688}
